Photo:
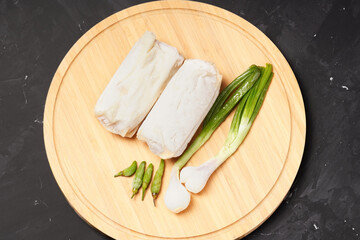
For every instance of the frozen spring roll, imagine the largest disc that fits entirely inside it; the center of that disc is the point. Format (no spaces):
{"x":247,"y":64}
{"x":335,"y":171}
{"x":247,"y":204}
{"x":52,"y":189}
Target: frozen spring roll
{"x":181,"y":108}
{"x":136,"y":85}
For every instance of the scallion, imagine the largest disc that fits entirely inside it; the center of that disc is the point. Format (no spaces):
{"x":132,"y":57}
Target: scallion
{"x":195,"y":178}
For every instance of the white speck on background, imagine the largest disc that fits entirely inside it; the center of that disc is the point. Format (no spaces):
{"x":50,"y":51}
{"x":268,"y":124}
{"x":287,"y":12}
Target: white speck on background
{"x":331,"y":78}
{"x":343,"y":8}
{"x":26,"y":77}
{"x":50,"y":220}
{"x":38,"y":121}
{"x":315,"y":35}
{"x":79,"y":25}
{"x":331,"y":37}
{"x":39,"y":201}
{"x":353,"y":228}
{"x":25,"y":96}
{"x":345,"y":87}
{"x":344,"y":220}
{"x":325,"y":165}
{"x":315,"y":226}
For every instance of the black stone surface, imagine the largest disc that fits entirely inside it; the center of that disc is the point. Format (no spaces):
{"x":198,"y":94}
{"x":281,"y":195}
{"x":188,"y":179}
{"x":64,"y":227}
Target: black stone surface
{"x":320,"y":39}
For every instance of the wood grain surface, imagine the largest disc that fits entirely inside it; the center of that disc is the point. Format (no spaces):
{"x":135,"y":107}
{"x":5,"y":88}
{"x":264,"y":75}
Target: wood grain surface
{"x":83,"y":156}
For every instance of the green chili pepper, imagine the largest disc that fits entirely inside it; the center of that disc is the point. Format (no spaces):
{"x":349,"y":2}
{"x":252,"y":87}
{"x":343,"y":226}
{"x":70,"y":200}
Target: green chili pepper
{"x":156,"y":183}
{"x":138,"y":179}
{"x":147,"y":179}
{"x":127,"y":172}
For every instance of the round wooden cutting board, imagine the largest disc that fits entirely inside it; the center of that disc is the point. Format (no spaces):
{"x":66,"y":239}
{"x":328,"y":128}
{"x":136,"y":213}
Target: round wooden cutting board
{"x":83,"y":156}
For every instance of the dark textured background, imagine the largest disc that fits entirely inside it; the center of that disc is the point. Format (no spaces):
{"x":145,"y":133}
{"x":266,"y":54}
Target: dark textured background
{"x":320,"y":39}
